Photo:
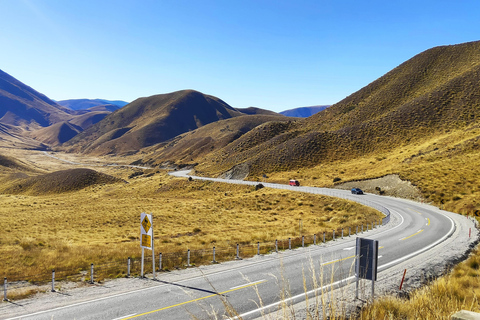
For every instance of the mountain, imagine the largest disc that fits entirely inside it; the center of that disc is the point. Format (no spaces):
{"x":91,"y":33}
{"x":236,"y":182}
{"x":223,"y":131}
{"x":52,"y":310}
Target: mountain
{"x":304,"y":112}
{"x":20,"y":105}
{"x":191,"y":146}
{"x":151,"y":120}
{"x":84,"y":104}
{"x":430,"y":94}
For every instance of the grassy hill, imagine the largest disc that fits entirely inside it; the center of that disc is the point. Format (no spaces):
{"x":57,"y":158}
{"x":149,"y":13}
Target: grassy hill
{"x":148,"y":121}
{"x":431,"y":93}
{"x":192,"y":146}
{"x":57,"y":182}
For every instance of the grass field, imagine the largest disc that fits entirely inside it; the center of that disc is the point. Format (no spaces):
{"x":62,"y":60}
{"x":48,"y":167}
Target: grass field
{"x":100,"y":224}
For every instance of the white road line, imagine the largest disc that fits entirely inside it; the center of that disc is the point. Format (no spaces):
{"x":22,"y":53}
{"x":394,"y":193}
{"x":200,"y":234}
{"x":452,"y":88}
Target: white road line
{"x":350,"y":248}
{"x":125,"y":316}
{"x":248,"y":284}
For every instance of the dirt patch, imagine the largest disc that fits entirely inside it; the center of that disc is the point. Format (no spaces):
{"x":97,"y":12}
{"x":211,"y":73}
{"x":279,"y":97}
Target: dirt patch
{"x":390,"y":185}
{"x":238,"y":172}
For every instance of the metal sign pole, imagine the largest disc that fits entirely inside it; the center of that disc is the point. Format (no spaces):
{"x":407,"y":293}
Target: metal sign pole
{"x":357,"y":266}
{"x":141,"y":272}
{"x":374,"y":268}
{"x":153,"y":251}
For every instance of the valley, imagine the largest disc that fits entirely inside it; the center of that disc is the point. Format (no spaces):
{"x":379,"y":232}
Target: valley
{"x":73,"y":182}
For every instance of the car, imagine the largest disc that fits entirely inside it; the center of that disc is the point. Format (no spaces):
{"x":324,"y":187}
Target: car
{"x":357,"y":191}
{"x":294,"y":183}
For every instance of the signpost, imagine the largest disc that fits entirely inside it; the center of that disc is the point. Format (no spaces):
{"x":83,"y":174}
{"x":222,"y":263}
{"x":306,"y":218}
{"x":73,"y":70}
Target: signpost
{"x":366,"y":262}
{"x":146,"y":238}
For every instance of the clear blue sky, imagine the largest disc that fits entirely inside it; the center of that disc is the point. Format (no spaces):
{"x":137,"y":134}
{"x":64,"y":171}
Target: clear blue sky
{"x":275,"y":55}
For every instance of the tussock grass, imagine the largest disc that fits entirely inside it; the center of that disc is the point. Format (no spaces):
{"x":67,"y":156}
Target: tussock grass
{"x":459,"y":290}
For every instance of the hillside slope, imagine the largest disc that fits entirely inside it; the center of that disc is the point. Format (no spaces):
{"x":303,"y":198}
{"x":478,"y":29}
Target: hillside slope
{"x":20,"y":105}
{"x":190,"y":147}
{"x":151,"y":120}
{"x":435,"y":91}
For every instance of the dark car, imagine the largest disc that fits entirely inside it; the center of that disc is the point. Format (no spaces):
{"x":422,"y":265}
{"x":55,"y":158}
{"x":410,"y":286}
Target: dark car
{"x":357,"y":191}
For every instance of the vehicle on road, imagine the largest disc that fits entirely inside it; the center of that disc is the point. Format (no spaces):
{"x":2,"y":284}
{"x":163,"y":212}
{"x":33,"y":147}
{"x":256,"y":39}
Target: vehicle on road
{"x":357,"y":191}
{"x":294,"y":183}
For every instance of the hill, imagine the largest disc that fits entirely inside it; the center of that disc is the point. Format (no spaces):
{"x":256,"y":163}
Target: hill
{"x":151,"y":120}
{"x":190,"y":147}
{"x":431,"y":93}
{"x":20,"y":105}
{"x":303,"y":112}
{"x":84,"y":104}
{"x":56,"y":134}
{"x":58,"y":182}
{"x":253,"y":111}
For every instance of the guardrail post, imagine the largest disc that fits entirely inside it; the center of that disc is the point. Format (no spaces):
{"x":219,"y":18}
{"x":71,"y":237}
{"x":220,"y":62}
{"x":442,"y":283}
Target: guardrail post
{"x":238,"y":252}
{"x":362,"y":227}
{"x":128,"y":267}
{"x":303,"y":241}
{"x":160,"y":261}
{"x":315,"y":239}
{"x":91,"y":273}
{"x":342,"y":233}
{"x":276,"y":245}
{"x":356,"y":231}
{"x":258,"y":248}
{"x":289,"y":243}
{"x":323,"y":236}
{"x":333,"y":238}
{"x":5,"y":289}
{"x":188,"y":258}
{"x":349,"y":231}
{"x":53,"y":280}
{"x":214,"y":261}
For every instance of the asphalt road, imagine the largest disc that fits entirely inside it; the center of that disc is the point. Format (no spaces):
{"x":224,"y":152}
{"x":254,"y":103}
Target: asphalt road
{"x":259,"y":285}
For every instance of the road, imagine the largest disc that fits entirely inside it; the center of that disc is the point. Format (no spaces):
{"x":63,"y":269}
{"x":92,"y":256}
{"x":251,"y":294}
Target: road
{"x":255,"y":286}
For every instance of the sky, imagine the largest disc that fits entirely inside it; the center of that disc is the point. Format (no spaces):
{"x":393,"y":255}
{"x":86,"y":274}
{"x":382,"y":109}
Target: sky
{"x":274,"y":55}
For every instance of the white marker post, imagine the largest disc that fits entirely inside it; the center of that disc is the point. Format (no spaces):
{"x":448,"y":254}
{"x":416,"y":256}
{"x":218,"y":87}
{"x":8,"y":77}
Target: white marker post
{"x":146,"y":239}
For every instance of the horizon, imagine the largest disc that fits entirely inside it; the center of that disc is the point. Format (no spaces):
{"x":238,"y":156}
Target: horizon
{"x":269,"y":54}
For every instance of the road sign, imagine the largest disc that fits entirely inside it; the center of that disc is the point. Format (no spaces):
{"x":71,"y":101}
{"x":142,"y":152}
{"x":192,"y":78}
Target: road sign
{"x":367,"y":258}
{"x":366,"y":262}
{"x":146,"y":231}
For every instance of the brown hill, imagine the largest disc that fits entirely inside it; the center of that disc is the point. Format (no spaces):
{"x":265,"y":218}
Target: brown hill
{"x":88,"y":119}
{"x":20,"y":105}
{"x":148,"y":121}
{"x":11,"y":164}
{"x":431,"y":93}
{"x":58,"y":182}
{"x":191,"y":146}
{"x":56,"y":134}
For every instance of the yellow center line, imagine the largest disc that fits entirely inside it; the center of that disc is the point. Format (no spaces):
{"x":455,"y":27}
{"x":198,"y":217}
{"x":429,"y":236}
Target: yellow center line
{"x":198,"y":299}
{"x":415,"y":210}
{"x":421,"y":230}
{"x":428,"y":222}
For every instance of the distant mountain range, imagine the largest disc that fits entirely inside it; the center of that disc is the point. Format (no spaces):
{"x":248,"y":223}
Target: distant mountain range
{"x":304,"y":112}
{"x":86,"y":104}
{"x":152,"y":120}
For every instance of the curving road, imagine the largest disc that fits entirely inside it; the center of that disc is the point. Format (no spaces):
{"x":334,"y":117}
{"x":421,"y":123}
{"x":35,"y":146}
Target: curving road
{"x":285,"y":276}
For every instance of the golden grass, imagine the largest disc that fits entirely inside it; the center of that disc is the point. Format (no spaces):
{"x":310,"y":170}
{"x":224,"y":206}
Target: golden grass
{"x":100,"y":224}
{"x":459,"y":290}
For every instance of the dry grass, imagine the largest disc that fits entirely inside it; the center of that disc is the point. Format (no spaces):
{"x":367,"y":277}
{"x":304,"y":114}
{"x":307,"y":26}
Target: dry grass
{"x":100,"y":224}
{"x":459,"y":290}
